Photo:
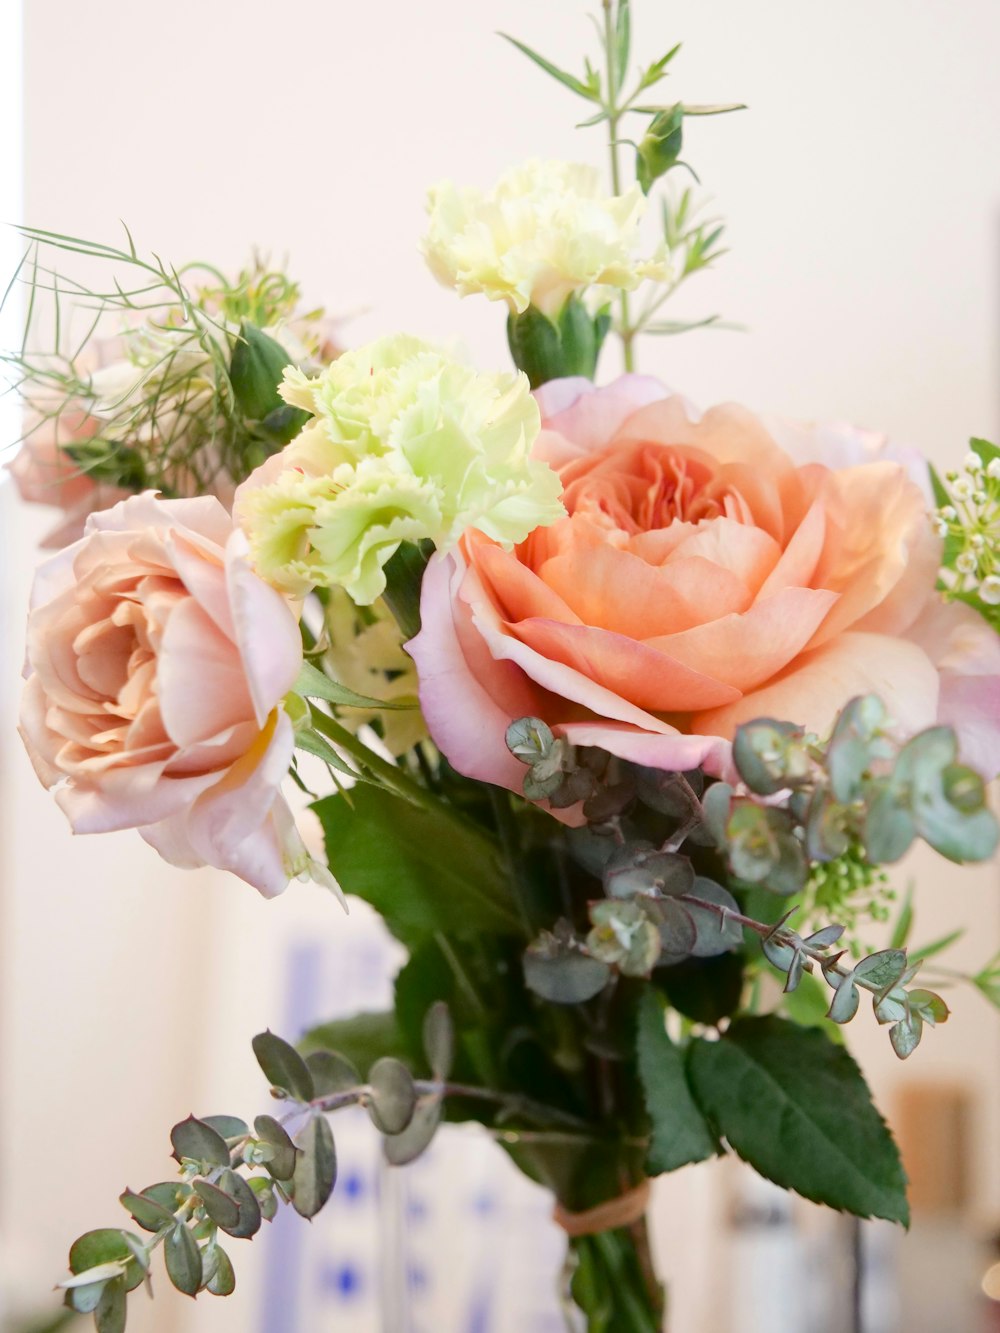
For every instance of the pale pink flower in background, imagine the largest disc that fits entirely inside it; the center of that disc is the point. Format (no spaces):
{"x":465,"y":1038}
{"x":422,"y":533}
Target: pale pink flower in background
{"x":703,"y":577}
{"x":46,"y":475}
{"x":157,"y":662}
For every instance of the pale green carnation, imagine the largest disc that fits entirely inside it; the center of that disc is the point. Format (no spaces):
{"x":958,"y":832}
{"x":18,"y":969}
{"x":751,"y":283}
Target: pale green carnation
{"x":406,"y":444}
{"x":544,"y":232}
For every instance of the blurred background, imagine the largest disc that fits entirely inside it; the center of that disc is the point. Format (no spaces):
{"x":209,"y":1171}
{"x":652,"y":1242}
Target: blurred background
{"x":861,"y":192}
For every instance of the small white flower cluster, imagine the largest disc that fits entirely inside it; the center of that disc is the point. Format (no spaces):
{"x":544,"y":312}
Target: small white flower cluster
{"x":970,"y":525}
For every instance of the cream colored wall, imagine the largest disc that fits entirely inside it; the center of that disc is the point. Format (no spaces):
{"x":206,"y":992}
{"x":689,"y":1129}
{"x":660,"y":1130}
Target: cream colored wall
{"x":862,"y":192}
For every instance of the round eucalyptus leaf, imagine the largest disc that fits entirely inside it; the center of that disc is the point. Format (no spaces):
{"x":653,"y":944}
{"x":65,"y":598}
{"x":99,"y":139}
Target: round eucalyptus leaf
{"x":229,"y":1126}
{"x":400,"y":1149}
{"x":222,"y":1208}
{"x":642,"y":868}
{"x":591,"y":851}
{"x":846,"y":999}
{"x":248,"y":1221}
{"x":881,"y":970}
{"x":332,"y":1073}
{"x":183,"y":1260}
{"x":223,"y":1280}
{"x":266,"y":1199}
{"x":282,"y":1164}
{"x":905,"y":1035}
{"x":150,"y":1215}
{"x":889,"y":829}
{"x":439,"y":1040}
{"x":529,"y":738}
{"x":198,"y":1141}
{"x":110,"y":1311}
{"x":714,"y":933}
{"x":315,"y":1167}
{"x":678,"y":933}
{"x":565,"y":977}
{"x":106,"y":1245}
{"x":85,"y":1298}
{"x":283,"y":1066}
{"x":716,"y":805}
{"x":392,"y":1096}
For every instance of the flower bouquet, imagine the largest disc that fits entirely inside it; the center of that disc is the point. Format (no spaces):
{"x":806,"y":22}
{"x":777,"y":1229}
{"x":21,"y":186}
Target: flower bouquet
{"x":613,"y":709}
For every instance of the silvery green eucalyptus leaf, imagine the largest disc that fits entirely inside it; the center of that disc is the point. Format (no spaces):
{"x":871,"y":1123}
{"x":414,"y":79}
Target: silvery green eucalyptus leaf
{"x":282,"y":1162}
{"x":283,"y":1067}
{"x":332,"y":1073}
{"x":110,"y":1312}
{"x":315,"y":1167}
{"x":392,"y":1095}
{"x":183,"y":1260}
{"x":198,"y":1141}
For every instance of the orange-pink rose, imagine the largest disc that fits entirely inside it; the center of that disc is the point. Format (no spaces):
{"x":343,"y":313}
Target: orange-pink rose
{"x":703,"y":576}
{"x":157,"y":664}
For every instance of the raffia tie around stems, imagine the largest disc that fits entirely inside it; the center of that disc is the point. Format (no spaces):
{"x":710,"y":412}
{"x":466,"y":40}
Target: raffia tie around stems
{"x":623,"y":1211}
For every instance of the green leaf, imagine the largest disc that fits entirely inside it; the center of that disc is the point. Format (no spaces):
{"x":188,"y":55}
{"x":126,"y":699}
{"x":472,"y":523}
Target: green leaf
{"x":680,"y":1132}
{"x":183,"y":1260}
{"x":569,"y":81}
{"x":706,"y":990}
{"x":223,"y":1281}
{"x":110,"y":1313}
{"x":256,"y":369}
{"x":361,"y":1039}
{"x":797,"y":1108}
{"x":283,"y":1067}
{"x":315,"y":1167}
{"x":282,"y":1164}
{"x":422,"y":870}
{"x":200,"y":1142}
{"x":623,"y":41}
{"x":314,"y":684}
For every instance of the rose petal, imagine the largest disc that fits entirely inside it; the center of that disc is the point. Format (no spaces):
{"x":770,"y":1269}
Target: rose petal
{"x":822,"y":681}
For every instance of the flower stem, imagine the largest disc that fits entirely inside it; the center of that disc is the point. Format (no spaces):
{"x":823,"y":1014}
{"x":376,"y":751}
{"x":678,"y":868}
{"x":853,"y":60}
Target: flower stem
{"x":625,"y":331}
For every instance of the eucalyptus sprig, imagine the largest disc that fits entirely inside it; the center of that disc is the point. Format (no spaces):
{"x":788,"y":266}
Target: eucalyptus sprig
{"x":801,"y":804}
{"x":658,"y":143}
{"x":232,"y":1177}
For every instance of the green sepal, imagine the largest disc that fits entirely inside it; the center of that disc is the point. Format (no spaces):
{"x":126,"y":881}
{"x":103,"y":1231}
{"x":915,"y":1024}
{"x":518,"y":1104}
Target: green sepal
{"x":256,"y":369}
{"x":547,"y":349}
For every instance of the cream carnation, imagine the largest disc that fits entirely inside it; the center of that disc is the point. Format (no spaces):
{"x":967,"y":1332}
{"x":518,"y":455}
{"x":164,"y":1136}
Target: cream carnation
{"x":406,"y":445}
{"x":545,"y":231}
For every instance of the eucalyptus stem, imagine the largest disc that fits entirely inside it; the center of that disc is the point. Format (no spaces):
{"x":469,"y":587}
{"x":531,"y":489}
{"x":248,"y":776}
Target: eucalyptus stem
{"x":625,"y":331}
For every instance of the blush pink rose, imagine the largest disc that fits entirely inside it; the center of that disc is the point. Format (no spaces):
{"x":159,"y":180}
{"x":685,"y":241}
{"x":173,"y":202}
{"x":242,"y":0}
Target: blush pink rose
{"x":46,"y":475}
{"x":157,"y":661}
{"x":704,"y":576}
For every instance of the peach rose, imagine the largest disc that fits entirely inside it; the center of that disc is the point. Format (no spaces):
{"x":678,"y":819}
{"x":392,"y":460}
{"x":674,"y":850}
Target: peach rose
{"x":157,"y":663}
{"x":704,"y":576}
